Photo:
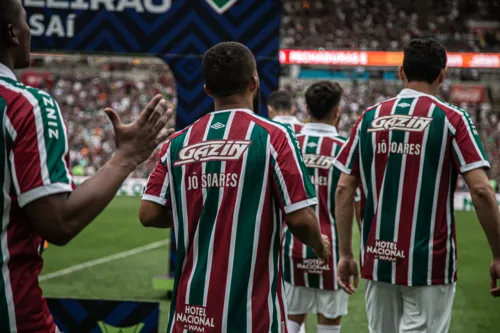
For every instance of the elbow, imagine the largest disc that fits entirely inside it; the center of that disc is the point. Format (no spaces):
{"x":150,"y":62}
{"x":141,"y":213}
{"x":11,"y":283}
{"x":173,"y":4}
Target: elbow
{"x":482,"y":191}
{"x":61,"y":238}
{"x":341,"y":191}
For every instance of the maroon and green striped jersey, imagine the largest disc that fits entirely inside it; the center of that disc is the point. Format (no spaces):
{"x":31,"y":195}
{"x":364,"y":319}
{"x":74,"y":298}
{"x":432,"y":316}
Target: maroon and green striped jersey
{"x":229,"y":179}
{"x":35,"y":154}
{"x":320,"y":143}
{"x":408,"y":152}
{"x":290,"y":121}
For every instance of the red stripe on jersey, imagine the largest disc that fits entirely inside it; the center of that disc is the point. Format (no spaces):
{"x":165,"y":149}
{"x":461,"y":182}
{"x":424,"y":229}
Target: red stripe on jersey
{"x":284,"y":146}
{"x":439,"y":250}
{"x":380,"y":164}
{"x":261,"y":282}
{"x":157,"y":177}
{"x":27,"y":161}
{"x":281,"y":303}
{"x":223,"y":228}
{"x":297,"y":128}
{"x":409,"y":194}
{"x":324,"y":214}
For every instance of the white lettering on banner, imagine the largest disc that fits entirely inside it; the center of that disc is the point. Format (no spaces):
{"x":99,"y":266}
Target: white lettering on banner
{"x":400,"y":123}
{"x":217,"y":150}
{"x":385,"y":250}
{"x":140,"y":6}
{"x":312,"y":266}
{"x":53,"y":25}
{"x":195,"y":318}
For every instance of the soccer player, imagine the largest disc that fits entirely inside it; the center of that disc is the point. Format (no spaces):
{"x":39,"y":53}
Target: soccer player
{"x":281,"y":109}
{"x":226,"y":184}
{"x":38,"y":199}
{"x":407,"y":153}
{"x":310,"y":286}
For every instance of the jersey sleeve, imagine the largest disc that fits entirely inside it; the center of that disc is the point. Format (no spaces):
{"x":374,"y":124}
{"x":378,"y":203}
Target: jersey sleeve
{"x":294,"y":188}
{"x":157,"y":189}
{"x":39,"y":149}
{"x":468,"y":152}
{"x":347,"y":159}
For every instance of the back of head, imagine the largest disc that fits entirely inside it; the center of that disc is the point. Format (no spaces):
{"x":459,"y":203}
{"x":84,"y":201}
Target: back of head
{"x":15,"y":35}
{"x":424,"y":59}
{"x":227,"y":69}
{"x":322,"y":98}
{"x":281,"y":101}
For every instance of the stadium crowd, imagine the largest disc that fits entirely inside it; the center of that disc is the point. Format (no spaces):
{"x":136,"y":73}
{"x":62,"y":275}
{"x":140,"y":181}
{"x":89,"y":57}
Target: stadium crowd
{"x":387,"y":25}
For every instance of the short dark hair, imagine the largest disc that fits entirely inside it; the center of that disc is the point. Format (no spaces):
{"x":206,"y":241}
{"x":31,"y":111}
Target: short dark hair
{"x":322,"y":97}
{"x":424,"y":59}
{"x":228,"y":68}
{"x":7,"y":15}
{"x":280,"y":100}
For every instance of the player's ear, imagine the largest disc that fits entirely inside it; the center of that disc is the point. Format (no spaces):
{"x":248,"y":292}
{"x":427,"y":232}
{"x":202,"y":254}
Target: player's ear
{"x":9,"y":35}
{"x":253,"y":85}
{"x":271,"y":112}
{"x":401,"y":74}
{"x":206,"y":90}
{"x":308,"y":112}
{"x":442,"y":75}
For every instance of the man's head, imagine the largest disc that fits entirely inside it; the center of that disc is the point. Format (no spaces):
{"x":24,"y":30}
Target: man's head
{"x":15,"y":36}
{"x":424,"y":61}
{"x":280,"y":103}
{"x":323,"y":101}
{"x":230,"y":71}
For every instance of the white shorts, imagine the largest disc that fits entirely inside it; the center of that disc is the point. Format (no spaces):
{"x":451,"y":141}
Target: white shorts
{"x":329,"y":303}
{"x":401,"y":309}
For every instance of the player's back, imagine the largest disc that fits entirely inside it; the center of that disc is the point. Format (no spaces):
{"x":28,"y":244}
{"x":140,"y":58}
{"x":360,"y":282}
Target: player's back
{"x":319,"y":144}
{"x":408,"y":151}
{"x":34,"y":148}
{"x":225,"y":180}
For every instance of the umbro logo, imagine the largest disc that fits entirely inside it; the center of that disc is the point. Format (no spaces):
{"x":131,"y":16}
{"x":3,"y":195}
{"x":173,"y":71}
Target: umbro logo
{"x":218,"y":126}
{"x":312,"y":145}
{"x":404,"y":105}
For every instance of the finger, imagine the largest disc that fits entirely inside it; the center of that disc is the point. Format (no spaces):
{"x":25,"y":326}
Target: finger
{"x":164,"y":135}
{"x":149,"y":110}
{"x":493,"y":279}
{"x":356,"y":279}
{"x":113,"y":117}
{"x":162,"y":121}
{"x":159,"y":111}
{"x":495,"y":292}
{"x":343,"y":286}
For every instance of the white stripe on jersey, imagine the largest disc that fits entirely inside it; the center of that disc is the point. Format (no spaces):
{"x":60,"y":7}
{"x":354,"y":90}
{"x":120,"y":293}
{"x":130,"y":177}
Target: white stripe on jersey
{"x":332,"y":226}
{"x":66,"y":140}
{"x":449,"y":221}
{"x":417,"y":200}
{"x":13,"y":134}
{"x":281,"y":179}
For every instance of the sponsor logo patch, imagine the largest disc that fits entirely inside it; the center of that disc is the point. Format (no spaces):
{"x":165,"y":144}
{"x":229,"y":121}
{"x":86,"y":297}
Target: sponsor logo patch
{"x":318,"y":161}
{"x":216,"y":150}
{"x":400,"y":123}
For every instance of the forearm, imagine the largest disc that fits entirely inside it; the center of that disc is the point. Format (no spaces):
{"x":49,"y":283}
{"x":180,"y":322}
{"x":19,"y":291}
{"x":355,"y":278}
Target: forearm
{"x":304,"y":226}
{"x":344,"y":214}
{"x":488,"y":214}
{"x":89,"y":199}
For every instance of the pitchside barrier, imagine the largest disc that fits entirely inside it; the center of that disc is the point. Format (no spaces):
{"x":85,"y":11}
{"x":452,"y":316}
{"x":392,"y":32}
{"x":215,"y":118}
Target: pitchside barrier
{"x":177,"y":31}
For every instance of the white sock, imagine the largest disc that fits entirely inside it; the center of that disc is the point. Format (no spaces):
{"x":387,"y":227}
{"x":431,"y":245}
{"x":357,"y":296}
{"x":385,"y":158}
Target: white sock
{"x":328,"y":329}
{"x":302,"y":328}
{"x":293,"y":327}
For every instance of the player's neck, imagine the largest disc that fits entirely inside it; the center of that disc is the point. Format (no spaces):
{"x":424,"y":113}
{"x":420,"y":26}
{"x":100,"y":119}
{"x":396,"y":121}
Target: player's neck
{"x":324,"y":121}
{"x":230,"y":103}
{"x":423,"y":87}
{"x":6,"y":61}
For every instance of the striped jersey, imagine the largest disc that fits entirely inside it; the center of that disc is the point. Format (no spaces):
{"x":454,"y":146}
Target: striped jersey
{"x":320,"y":143}
{"x":408,"y":152}
{"x":35,"y":154}
{"x":290,"y":121}
{"x":229,"y":179}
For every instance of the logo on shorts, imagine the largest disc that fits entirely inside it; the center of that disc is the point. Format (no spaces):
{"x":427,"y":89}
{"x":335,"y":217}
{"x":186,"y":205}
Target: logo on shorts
{"x":400,"y":123}
{"x":219,"y":150}
{"x":318,"y":161}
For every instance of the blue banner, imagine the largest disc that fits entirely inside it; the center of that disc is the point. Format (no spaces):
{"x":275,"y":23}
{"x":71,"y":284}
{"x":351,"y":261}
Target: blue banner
{"x":179,"y":31}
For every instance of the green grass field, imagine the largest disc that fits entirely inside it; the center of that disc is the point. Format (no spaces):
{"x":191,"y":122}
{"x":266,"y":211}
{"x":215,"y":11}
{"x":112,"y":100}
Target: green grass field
{"x":118,"y":229}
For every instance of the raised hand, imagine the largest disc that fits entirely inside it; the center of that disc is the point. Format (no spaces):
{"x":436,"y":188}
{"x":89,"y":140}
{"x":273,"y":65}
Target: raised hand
{"x":137,"y":141}
{"x":347,"y":269}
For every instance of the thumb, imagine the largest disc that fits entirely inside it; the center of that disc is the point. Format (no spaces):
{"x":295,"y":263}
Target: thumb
{"x":113,"y":117}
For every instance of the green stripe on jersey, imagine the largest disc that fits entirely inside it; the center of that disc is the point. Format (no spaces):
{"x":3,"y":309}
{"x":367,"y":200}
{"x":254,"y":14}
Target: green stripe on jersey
{"x":275,"y":248}
{"x":4,"y":306}
{"x":177,"y":174}
{"x":311,"y":147}
{"x":423,"y":230}
{"x":245,"y":233}
{"x":207,"y":218}
{"x":389,"y":190}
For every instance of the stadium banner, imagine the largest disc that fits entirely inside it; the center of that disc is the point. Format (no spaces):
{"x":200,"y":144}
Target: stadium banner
{"x":177,"y":31}
{"x":100,"y":316}
{"x":471,"y":94}
{"x":380,"y":58}
{"x":463,"y":201}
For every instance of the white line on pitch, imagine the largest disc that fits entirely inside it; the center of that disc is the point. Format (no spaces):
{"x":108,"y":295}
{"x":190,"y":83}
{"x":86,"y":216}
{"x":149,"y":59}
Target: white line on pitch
{"x":103,"y":260}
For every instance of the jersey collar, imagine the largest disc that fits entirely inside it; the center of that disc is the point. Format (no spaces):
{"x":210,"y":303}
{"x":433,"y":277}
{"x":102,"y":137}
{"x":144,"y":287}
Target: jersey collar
{"x":5,"y":71}
{"x":411,"y":93}
{"x":318,"y":129}
{"x":287,"y":119}
{"x":230,"y":110}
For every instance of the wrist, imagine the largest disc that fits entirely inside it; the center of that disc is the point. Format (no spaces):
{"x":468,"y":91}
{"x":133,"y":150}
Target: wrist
{"x":347,"y":255}
{"x":123,"y":161}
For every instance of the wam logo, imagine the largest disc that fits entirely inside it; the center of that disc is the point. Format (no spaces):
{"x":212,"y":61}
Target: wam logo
{"x":111,"y":329}
{"x":220,"y":6}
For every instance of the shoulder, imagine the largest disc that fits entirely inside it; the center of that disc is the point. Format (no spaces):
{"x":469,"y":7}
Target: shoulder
{"x":21,"y":95}
{"x":272,"y":127}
